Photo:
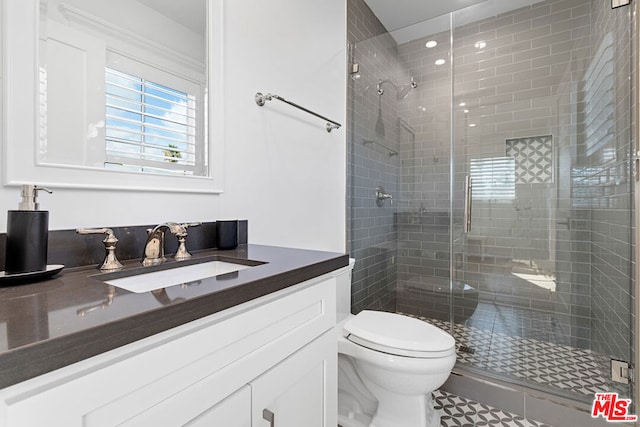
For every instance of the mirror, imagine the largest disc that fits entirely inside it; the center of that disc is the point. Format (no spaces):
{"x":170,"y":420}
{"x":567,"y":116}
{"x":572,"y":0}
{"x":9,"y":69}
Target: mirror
{"x":121,"y":93}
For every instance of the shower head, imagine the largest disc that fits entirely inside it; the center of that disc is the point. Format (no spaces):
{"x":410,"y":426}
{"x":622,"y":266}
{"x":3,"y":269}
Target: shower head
{"x":404,"y":90}
{"x":401,"y":91}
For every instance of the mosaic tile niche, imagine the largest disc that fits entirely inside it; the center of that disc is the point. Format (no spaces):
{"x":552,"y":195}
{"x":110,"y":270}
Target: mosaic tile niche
{"x":533,"y":157}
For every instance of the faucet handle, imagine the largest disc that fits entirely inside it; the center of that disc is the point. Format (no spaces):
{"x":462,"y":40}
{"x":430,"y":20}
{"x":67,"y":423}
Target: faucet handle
{"x":182,"y":253}
{"x":380,"y":195}
{"x":110,"y":262}
{"x":190,"y":224}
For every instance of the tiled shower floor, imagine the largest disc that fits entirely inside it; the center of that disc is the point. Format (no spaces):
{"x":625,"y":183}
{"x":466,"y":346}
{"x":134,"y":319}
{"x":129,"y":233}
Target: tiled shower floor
{"x":458,"y":411}
{"x":533,"y":352}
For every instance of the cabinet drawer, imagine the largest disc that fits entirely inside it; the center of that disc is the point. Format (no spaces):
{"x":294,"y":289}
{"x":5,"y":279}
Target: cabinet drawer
{"x":208,"y":359}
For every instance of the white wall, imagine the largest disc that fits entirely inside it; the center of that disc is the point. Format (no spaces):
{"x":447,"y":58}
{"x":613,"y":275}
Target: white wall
{"x":286,"y":174}
{"x":283,"y":171}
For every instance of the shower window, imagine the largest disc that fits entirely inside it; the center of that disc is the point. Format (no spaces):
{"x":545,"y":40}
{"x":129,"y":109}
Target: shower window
{"x":493,"y":178}
{"x":599,"y":98}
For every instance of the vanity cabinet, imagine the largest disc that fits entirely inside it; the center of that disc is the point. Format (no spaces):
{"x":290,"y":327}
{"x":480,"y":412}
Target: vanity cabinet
{"x":273,"y":355}
{"x":234,"y":411}
{"x":293,"y":393}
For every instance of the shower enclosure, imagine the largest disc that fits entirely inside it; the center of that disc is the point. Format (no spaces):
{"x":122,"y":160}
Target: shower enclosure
{"x":491,"y":184}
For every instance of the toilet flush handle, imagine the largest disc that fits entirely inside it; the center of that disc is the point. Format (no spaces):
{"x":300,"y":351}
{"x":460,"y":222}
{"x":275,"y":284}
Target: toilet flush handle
{"x":267,"y":415}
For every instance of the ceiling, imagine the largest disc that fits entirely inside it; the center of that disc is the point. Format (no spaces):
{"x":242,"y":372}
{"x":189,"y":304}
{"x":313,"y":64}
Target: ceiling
{"x":402,"y":13}
{"x":408,"y":20}
{"x":188,"y":13}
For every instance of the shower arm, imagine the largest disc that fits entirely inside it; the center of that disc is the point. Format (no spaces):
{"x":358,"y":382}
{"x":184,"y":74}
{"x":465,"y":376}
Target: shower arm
{"x":381,"y":82}
{"x":412,"y":83}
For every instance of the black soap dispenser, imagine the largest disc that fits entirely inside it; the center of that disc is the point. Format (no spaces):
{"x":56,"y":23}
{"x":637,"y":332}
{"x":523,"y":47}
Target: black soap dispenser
{"x":27,"y":234}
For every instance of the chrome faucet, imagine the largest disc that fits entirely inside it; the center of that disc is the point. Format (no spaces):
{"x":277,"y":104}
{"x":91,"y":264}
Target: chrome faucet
{"x":154,"y":247}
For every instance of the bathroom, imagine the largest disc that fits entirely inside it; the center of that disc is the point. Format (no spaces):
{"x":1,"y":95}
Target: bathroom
{"x":292,"y":181}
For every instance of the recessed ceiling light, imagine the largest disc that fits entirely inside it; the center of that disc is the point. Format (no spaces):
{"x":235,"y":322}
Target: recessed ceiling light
{"x":480,"y":45}
{"x":462,"y":104}
{"x":431,"y":43}
{"x":440,"y":61}
{"x":466,"y":111}
{"x":472,"y":125}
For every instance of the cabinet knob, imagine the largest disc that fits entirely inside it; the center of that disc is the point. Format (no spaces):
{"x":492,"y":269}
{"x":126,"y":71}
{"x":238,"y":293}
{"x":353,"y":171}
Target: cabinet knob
{"x":267,"y":415}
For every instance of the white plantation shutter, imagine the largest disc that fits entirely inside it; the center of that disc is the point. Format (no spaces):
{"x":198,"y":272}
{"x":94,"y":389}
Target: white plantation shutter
{"x":493,"y":178}
{"x":149,"y":127}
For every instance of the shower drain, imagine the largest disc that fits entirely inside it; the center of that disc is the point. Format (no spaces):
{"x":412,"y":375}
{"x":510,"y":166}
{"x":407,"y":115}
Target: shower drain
{"x":466,"y":349}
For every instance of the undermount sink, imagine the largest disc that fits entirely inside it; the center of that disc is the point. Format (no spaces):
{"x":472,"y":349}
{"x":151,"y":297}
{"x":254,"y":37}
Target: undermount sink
{"x":158,"y":279}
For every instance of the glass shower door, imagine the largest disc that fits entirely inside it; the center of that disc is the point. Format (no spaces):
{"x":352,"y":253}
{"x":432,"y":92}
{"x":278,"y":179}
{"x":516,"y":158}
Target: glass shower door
{"x":541,"y":238}
{"x":530,"y":101}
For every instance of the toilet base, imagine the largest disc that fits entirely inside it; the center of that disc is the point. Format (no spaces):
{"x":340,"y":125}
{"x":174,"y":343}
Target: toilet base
{"x":404,"y":411}
{"x":357,"y":407}
{"x":361,"y":421}
{"x":356,"y":404}
{"x":354,"y":419}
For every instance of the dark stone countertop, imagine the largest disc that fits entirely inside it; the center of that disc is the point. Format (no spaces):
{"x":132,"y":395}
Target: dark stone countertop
{"x":75,"y":315}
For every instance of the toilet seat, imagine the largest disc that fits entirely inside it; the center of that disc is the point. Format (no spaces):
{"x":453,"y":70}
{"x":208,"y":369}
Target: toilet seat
{"x":398,"y":335}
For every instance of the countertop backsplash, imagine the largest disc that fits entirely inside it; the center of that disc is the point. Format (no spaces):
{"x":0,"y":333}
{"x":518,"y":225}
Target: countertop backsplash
{"x":73,"y":250}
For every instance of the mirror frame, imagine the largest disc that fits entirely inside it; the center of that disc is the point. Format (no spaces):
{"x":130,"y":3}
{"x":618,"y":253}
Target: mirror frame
{"x":20,"y":118}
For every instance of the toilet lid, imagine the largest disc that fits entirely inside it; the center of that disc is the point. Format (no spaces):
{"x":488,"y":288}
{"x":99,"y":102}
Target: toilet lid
{"x":399,"y":332}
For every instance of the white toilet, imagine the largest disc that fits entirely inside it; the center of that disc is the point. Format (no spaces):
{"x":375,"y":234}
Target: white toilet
{"x":388,"y":365}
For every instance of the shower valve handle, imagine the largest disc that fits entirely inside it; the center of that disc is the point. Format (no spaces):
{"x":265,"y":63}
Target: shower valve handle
{"x":380,"y":195}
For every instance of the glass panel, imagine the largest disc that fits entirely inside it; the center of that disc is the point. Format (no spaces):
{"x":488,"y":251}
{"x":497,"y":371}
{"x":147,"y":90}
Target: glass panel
{"x":549,"y":252}
{"x":374,"y":165}
{"x":532,"y":101}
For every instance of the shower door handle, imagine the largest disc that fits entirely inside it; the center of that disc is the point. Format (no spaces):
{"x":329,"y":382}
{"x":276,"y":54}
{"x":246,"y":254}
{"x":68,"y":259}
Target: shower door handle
{"x":468,"y":188}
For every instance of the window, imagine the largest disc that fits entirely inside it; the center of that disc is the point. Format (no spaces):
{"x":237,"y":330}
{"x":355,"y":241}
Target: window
{"x":149,"y":127}
{"x":493,"y":178}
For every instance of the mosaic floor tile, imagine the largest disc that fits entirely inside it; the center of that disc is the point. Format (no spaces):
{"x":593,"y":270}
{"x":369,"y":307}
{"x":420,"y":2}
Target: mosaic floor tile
{"x":456,"y":411}
{"x":552,"y":364}
{"x":460,"y":412}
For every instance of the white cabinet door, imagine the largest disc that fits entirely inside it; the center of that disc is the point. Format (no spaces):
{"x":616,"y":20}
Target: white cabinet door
{"x":234,"y":411}
{"x":301,"y":390}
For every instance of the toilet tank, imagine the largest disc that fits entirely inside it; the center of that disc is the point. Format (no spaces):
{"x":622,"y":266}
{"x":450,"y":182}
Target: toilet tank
{"x":343,"y":291}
